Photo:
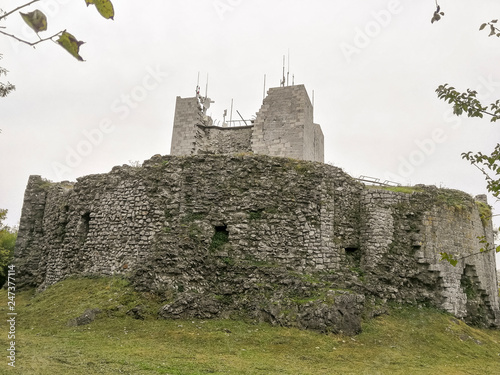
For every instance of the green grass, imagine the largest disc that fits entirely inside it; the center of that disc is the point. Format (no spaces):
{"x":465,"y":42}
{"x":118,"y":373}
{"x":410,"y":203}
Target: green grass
{"x":397,"y":189}
{"x":454,"y":198}
{"x":408,"y":341}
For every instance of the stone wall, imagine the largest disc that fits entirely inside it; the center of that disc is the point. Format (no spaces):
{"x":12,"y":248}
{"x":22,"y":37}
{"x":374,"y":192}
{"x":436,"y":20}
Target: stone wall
{"x":217,"y":140}
{"x":284,"y":124}
{"x":281,"y":240}
{"x":188,"y":115}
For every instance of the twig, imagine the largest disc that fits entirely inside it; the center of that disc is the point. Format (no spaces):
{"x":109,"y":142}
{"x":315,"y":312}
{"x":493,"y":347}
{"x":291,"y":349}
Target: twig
{"x":31,"y":43}
{"x":21,"y":7}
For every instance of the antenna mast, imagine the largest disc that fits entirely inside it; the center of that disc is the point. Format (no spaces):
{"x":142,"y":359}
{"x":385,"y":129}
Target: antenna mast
{"x":283,"y":79}
{"x":288,"y":72}
{"x":206,"y":88}
{"x":231,"y":114}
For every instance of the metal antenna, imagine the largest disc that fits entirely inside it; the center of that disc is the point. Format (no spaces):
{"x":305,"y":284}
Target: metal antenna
{"x":283,"y":80}
{"x":288,"y":72}
{"x":206,"y":88}
{"x":231,"y":114}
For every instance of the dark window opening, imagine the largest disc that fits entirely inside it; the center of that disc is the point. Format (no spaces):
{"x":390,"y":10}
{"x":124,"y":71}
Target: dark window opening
{"x":351,"y":250}
{"x":84,"y":226}
{"x":353,"y":255}
{"x":220,"y":237}
{"x":222,"y":229}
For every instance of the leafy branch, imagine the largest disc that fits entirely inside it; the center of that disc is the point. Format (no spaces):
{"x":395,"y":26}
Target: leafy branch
{"x":37,"y":21}
{"x":482,"y":240}
{"x":491,"y":163}
{"x":5,"y":88}
{"x":493,"y":29}
{"x":18,"y":8}
{"x":467,"y":102}
{"x":32,"y":43}
{"x":437,"y":13}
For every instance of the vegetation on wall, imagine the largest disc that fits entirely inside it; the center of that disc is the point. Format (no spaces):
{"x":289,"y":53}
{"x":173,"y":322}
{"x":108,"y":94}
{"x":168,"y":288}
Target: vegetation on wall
{"x":8,"y":238}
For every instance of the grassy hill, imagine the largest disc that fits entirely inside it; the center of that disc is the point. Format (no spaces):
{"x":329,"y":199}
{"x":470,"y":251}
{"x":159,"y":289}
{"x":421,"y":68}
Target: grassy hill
{"x":405,"y":341}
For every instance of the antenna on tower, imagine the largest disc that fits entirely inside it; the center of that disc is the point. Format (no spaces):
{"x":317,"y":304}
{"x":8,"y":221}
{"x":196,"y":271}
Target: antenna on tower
{"x":206,"y":88}
{"x":288,"y":72}
{"x":231,"y":114}
{"x":282,"y":83}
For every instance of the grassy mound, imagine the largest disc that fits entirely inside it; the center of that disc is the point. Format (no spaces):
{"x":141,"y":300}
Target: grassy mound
{"x":407,"y":341}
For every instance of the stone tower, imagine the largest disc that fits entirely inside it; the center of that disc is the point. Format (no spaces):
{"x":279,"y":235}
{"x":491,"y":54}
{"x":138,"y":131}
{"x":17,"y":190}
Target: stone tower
{"x":283,"y":127}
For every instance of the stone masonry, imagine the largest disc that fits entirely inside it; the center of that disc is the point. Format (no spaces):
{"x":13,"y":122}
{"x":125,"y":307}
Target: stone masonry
{"x":287,"y":241}
{"x":283,"y":127}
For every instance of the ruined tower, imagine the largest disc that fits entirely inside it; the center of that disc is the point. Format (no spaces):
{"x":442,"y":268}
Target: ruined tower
{"x":284,"y":126}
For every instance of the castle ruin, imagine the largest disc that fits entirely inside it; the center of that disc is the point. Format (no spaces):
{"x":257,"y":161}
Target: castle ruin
{"x":249,"y":221}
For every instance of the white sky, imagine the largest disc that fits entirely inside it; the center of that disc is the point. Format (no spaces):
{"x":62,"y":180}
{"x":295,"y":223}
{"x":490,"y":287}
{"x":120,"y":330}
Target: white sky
{"x":373,"y":66}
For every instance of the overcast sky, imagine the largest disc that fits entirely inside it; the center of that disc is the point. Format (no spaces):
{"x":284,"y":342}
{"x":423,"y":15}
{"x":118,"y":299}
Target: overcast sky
{"x":373,"y":66}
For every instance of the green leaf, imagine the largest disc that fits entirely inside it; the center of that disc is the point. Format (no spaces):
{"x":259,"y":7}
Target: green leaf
{"x":449,"y":258}
{"x":482,"y":26}
{"x":104,"y":7}
{"x":36,"y":20}
{"x":70,"y":44}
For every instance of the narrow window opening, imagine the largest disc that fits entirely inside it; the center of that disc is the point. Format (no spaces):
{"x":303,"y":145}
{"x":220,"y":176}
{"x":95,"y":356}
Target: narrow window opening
{"x":84,"y":226}
{"x":353,"y":255}
{"x":351,"y":250}
{"x":222,"y":229}
{"x":220,"y":237}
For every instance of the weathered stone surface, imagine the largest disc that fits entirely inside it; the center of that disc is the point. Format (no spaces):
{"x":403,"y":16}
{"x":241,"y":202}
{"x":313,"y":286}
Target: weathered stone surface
{"x":87,"y":317}
{"x":136,"y":312}
{"x":192,"y":305}
{"x":291,"y":242}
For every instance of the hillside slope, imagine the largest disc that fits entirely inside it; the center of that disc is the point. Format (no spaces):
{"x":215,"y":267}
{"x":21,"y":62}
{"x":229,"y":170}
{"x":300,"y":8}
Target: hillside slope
{"x":405,"y":340}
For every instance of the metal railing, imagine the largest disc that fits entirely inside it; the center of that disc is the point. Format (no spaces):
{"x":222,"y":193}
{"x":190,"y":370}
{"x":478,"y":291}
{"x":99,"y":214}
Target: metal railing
{"x":374,"y":180}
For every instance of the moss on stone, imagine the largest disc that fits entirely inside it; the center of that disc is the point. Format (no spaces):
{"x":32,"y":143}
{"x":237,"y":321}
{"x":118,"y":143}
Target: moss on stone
{"x":484,"y":212}
{"x":397,"y":189}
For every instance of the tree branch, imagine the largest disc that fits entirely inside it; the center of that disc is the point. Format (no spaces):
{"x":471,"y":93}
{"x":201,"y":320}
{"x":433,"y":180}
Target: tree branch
{"x":21,"y":7}
{"x":32,"y":44}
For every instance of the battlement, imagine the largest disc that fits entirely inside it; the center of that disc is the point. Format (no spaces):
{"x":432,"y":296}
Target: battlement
{"x":283,"y":126}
